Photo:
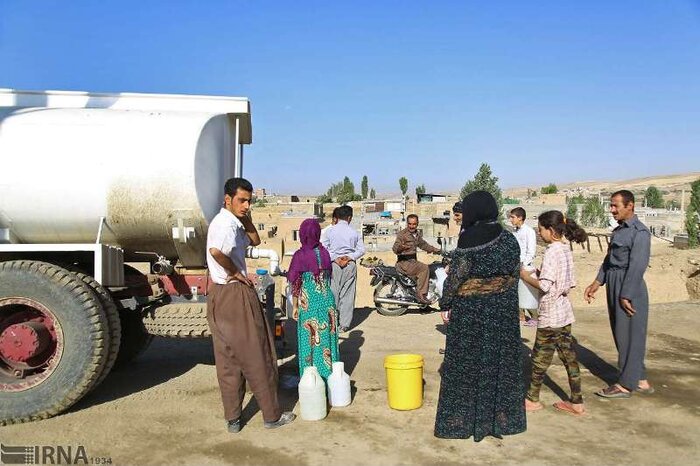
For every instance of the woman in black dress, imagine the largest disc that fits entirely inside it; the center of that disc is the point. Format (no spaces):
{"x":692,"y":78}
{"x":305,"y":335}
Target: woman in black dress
{"x":482,"y":391}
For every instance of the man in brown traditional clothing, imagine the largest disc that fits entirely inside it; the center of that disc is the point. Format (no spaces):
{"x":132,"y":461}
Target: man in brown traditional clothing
{"x":407,"y":242}
{"x":243,"y":343}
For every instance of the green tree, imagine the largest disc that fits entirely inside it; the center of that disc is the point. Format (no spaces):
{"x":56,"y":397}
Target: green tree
{"x":342,"y":192}
{"x":484,"y":181}
{"x":420,"y":190}
{"x":593,"y":213}
{"x":691,"y":226}
{"x":347,"y":193}
{"x":324,"y":199}
{"x":403,"y":184}
{"x":372,"y":194}
{"x":551,"y":188}
{"x":572,"y":206}
{"x":695,"y":196}
{"x":672,"y":204}
{"x":654,"y":198}
{"x":511,"y":200}
{"x":577,"y":199}
{"x":692,"y":215}
{"x":364,"y":187}
{"x":572,"y":211}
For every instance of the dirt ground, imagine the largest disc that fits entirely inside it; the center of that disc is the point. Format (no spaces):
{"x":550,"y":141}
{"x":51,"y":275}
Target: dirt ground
{"x":165,"y":407}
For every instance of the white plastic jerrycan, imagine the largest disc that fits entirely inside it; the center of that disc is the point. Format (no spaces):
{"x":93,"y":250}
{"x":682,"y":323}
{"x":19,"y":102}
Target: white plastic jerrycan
{"x":312,"y":395}
{"x":339,"y":386}
{"x":528,"y":296}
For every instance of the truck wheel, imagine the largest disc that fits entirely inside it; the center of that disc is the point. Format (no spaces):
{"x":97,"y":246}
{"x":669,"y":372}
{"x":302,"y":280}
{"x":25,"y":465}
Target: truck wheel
{"x":391,"y":310}
{"x":135,"y":339}
{"x":178,"y":321}
{"x":113,"y":322}
{"x":53,"y":340}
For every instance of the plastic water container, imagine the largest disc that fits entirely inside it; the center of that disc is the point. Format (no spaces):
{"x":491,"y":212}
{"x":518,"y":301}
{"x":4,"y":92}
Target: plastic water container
{"x":264,"y":281}
{"x":528,"y":296}
{"x":289,"y":300}
{"x":339,"y":394}
{"x":312,"y":395}
{"x":404,"y":381}
{"x":441,"y":276}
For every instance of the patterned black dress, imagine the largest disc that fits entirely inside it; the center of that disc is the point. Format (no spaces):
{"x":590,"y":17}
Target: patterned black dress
{"x":482,"y":391}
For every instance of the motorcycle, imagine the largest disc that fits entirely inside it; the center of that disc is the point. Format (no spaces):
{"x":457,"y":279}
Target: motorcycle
{"x":395,"y":293}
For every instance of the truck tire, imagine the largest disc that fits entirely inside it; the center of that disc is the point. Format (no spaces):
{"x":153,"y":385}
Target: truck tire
{"x":113,"y":322}
{"x":178,"y":321}
{"x":135,"y":339}
{"x":53,"y":340}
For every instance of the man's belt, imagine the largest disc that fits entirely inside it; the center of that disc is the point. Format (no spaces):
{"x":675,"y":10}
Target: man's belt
{"x":406,"y":257}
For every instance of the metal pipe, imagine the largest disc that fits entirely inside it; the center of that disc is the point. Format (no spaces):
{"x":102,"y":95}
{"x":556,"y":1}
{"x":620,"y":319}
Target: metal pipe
{"x":99,"y":230}
{"x":237,"y":155}
{"x":398,"y":302}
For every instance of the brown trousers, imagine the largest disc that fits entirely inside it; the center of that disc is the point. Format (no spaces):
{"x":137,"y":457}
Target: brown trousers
{"x":418,"y":270}
{"x":244,"y":349}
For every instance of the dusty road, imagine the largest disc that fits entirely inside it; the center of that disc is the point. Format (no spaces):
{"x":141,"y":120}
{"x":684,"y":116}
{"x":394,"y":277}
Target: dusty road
{"x":165,"y":408}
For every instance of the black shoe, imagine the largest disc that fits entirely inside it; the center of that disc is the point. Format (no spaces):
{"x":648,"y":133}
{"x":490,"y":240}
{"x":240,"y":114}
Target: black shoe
{"x":234,"y":426}
{"x":286,"y":418}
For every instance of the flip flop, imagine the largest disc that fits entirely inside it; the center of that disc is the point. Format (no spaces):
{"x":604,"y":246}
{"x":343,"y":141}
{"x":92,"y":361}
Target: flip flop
{"x":613,"y":391}
{"x":566,"y":407}
{"x":646,"y":391}
{"x":536,"y":408}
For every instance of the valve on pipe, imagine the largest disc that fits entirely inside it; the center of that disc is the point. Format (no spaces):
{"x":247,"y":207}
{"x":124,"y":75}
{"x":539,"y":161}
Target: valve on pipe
{"x":162,"y":267}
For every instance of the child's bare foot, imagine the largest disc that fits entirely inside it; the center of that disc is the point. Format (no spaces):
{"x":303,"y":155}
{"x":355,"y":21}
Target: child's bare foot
{"x":531,"y":406}
{"x":575,"y":409}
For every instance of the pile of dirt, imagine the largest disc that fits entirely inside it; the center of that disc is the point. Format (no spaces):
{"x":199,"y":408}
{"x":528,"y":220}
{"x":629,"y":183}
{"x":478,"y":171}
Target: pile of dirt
{"x":692,"y":284}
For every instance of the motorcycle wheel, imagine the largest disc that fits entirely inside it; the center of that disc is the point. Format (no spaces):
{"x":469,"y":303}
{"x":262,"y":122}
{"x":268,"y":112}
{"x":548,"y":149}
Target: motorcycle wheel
{"x":391,"y":310}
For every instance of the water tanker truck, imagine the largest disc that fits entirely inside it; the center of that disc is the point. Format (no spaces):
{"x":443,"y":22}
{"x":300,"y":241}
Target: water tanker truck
{"x":105,"y":201}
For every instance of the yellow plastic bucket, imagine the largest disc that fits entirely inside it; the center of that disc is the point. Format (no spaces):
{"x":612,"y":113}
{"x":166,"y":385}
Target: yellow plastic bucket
{"x":404,"y":381}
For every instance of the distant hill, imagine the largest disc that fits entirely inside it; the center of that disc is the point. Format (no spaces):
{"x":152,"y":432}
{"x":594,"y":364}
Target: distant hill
{"x":669,"y":183}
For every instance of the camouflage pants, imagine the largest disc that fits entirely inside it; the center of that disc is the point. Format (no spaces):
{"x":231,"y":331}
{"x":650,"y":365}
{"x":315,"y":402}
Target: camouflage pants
{"x":546,"y":342}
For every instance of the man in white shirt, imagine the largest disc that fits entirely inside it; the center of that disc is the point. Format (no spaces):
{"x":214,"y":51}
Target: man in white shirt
{"x":345,"y":246}
{"x":243,"y":343}
{"x":527,"y":239}
{"x":457,"y":213}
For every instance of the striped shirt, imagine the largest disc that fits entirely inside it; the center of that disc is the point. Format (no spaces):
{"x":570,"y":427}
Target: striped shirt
{"x":556,"y":280}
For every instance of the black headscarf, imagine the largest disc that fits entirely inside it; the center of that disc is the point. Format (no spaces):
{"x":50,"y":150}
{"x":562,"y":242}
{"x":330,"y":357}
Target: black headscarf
{"x":479,"y":220}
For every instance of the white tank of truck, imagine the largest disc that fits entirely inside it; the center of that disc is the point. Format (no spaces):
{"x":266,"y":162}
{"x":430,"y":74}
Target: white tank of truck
{"x":88,"y":182}
{"x":144,"y":170}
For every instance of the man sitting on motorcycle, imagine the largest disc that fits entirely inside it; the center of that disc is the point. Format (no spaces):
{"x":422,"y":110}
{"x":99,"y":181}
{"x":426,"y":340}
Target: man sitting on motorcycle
{"x":407,"y":243}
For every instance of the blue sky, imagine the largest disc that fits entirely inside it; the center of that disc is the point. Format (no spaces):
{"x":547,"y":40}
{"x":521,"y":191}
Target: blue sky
{"x":541,"y":90}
